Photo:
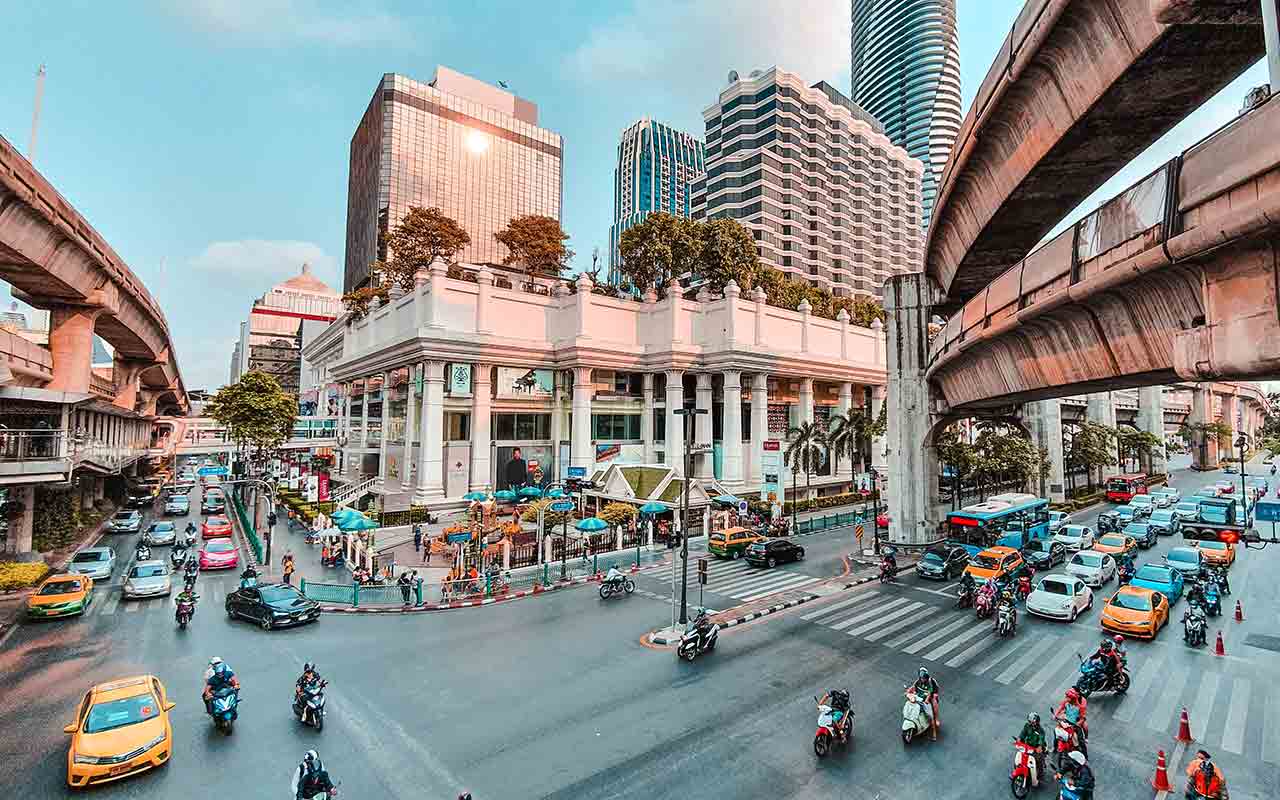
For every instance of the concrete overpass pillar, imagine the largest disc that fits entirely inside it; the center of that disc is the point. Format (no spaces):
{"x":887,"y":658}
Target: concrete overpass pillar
{"x":1044,"y":419}
{"x":1102,"y":410}
{"x":149,"y":400}
{"x":20,"y":527}
{"x":1204,"y":447}
{"x":71,"y":343}
{"x":124,"y":374}
{"x":1151,"y":420}
{"x":913,"y":462}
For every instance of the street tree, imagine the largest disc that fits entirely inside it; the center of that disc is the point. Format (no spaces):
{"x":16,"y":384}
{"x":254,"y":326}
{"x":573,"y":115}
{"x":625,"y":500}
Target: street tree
{"x":726,"y":252}
{"x":805,"y":452}
{"x":422,"y":236}
{"x":842,"y":436}
{"x":1092,"y":448}
{"x":538,"y":243}
{"x":258,"y":416}
{"x":1137,"y":446}
{"x":955,"y":452}
{"x":659,"y":249}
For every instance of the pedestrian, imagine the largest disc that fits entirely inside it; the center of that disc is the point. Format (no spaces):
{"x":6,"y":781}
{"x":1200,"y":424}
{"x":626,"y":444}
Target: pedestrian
{"x":406,"y":582}
{"x":287,"y":564}
{"x":417,"y":588}
{"x":324,"y":553}
{"x":417,"y":537}
{"x":426,"y":551}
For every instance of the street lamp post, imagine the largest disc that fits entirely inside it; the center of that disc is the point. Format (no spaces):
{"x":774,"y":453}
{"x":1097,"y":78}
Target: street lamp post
{"x":1241,"y":442}
{"x":687,"y":416}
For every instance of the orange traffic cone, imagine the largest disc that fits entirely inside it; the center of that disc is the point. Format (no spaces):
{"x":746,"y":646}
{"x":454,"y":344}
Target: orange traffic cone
{"x":1239,"y":612}
{"x":1184,"y":728}
{"x":1218,"y":649}
{"x":1161,"y":781}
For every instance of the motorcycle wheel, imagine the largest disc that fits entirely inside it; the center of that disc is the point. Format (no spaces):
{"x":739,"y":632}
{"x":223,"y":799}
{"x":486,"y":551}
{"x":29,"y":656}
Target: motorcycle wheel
{"x":687,"y":653}
{"x":906,"y":737}
{"x":711,"y":645}
{"x":1020,"y":786}
{"x":182,"y":624}
{"x":1084,"y":689}
{"x":1122,"y":683}
{"x":319,"y":719}
{"x":821,"y":745}
{"x":629,"y":586}
{"x":605,"y":591}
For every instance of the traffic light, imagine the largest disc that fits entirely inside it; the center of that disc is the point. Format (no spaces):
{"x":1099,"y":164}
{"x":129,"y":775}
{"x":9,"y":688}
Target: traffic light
{"x":702,"y":571}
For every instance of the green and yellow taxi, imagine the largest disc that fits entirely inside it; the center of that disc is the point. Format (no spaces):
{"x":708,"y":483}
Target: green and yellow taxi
{"x":732,"y":542}
{"x":61,"y":596}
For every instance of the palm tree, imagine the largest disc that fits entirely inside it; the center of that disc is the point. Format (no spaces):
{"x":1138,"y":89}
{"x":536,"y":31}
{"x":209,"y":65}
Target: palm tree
{"x":805,"y":451}
{"x":842,"y":438}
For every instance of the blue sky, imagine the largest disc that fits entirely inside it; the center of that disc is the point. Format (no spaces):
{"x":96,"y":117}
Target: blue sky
{"x":211,"y":136}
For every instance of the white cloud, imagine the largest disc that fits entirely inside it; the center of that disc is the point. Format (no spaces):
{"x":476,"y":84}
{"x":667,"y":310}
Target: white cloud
{"x":265,"y":261}
{"x":275,"y":21}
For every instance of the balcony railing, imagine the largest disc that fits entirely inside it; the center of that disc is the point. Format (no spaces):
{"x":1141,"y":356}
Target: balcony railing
{"x":40,"y":444}
{"x":102,"y":387}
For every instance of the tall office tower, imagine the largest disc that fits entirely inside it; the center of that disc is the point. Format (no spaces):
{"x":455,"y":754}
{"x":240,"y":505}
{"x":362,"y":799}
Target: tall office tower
{"x":906,"y":73}
{"x":470,"y":149}
{"x":656,"y":167}
{"x":828,"y":198}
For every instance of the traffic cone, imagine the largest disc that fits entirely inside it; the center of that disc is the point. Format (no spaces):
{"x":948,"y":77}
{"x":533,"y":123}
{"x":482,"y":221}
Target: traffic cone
{"x":1161,"y":781}
{"x":1239,"y":612}
{"x":1218,"y":649}
{"x":1184,"y":728}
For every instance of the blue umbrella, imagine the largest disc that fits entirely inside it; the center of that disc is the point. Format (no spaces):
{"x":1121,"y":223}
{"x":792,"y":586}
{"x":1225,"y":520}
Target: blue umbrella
{"x":342,"y":515}
{"x":591,"y":524}
{"x":652,"y":508}
{"x":555,"y":491}
{"x":726,"y":500}
{"x":355,"y":522}
{"x":475,"y":497}
{"x":531,"y":491}
{"x":505,"y":496}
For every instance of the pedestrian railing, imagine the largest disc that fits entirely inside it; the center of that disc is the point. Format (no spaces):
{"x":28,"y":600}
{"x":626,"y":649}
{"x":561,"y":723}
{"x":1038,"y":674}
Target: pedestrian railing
{"x":246,"y":527}
{"x":355,"y":595}
{"x":828,"y":521}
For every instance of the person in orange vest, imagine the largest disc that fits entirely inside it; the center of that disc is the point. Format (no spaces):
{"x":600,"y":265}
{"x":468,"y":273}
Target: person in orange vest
{"x":287,"y":564}
{"x":1205,"y":779}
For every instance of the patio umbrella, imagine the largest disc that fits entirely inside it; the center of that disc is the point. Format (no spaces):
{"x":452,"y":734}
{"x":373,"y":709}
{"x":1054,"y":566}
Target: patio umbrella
{"x":342,"y":515}
{"x":652,"y":508}
{"x":555,"y":491}
{"x":357,"y":523}
{"x":726,"y":500}
{"x":531,"y":491}
{"x":505,"y":496}
{"x":475,"y":497}
{"x":591,"y":524}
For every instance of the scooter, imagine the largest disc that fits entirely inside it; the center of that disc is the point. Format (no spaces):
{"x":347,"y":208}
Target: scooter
{"x":830,"y":731}
{"x":308,"y":706}
{"x":1026,"y":769}
{"x":223,"y":709}
{"x":984,"y":604}
{"x":1067,"y":788}
{"x":1125,"y":574}
{"x":178,"y":557}
{"x":1024,"y":588}
{"x":1067,"y":739}
{"x":183,"y":614}
{"x":1006,"y":620}
{"x":1213,"y":603}
{"x":142,"y":553}
{"x":888,"y":572}
{"x":699,"y":638}
{"x":1194,"y":625}
{"x":965,"y":599}
{"x":915,"y":721}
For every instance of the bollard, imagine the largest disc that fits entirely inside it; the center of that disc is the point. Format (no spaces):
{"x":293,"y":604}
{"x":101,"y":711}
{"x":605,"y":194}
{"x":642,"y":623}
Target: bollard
{"x":1218,"y":648}
{"x":1239,"y":612}
{"x":302,"y":585}
{"x":355,"y":594}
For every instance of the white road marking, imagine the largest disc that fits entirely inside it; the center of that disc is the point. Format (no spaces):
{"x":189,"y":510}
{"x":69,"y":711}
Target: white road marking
{"x":1271,"y":729}
{"x":946,"y":647}
{"x":935,"y":636}
{"x":1233,"y":734}
{"x":1203,"y":706}
{"x":1127,"y":707}
{"x":906,"y":611}
{"x":973,"y":649}
{"x":1166,"y":701}
{"x":867,"y":614}
{"x":926,"y":627}
{"x":1026,"y":659}
{"x":1037,"y":681}
{"x":858,"y":598}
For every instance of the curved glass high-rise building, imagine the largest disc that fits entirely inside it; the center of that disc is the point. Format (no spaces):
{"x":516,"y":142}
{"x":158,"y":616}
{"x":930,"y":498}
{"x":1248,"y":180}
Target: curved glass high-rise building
{"x":906,"y":73}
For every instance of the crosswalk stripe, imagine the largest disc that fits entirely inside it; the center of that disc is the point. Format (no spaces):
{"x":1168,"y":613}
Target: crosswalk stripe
{"x":1233,"y":735}
{"x":1028,"y":658}
{"x":1166,"y":701}
{"x":752,"y":581}
{"x":132,"y":607}
{"x":857,"y":598}
{"x":997,"y":655}
{"x":1127,"y":707}
{"x":906,"y":611}
{"x":935,"y":636}
{"x":926,"y":627}
{"x":973,"y":649}
{"x":865,"y":614}
{"x":1271,"y":730}
{"x":1037,"y":681}
{"x":780,"y":587}
{"x":111,"y":603}
{"x":959,"y":639}
{"x":1204,"y":705}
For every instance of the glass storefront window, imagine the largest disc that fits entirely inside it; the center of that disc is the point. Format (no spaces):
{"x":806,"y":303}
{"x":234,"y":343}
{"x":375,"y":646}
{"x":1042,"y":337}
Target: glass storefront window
{"x":521,"y":427}
{"x":615,"y":427}
{"x":457,"y":426}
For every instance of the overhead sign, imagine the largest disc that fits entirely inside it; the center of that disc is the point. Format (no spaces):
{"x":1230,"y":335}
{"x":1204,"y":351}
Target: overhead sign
{"x":562,"y":506}
{"x":458,"y":537}
{"x":1267,"y":511}
{"x":772,"y":445}
{"x":207,"y":471}
{"x":577,"y":472}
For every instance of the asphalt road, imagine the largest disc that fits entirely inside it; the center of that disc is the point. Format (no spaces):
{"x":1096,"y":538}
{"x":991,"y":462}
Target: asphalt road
{"x":556,"y":697}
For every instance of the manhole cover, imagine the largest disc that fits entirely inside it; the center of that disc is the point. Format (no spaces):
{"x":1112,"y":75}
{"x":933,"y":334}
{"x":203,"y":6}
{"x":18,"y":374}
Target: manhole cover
{"x":1263,"y":641}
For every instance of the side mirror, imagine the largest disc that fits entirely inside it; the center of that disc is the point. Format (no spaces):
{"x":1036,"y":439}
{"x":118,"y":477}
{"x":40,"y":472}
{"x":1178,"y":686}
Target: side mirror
{"x":170,"y":705}
{"x":72,"y":728}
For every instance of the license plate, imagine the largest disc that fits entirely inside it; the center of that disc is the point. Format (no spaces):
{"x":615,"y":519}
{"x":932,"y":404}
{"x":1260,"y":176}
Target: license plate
{"x":120,"y":770}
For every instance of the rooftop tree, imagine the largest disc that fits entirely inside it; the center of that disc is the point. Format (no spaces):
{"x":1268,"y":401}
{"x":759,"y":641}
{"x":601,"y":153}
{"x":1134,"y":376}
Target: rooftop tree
{"x":538,"y":243}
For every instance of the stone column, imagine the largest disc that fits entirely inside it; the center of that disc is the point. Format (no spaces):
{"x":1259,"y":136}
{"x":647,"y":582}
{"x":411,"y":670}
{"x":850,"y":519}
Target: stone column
{"x":71,"y":344}
{"x":1044,"y":419}
{"x":732,"y":443}
{"x":843,"y":319}
{"x":582,"y":451}
{"x":436,"y":273}
{"x":410,"y":431}
{"x":20,"y":528}
{"x":431,"y":454}
{"x":805,"y":412}
{"x":557,"y":420}
{"x":844,"y":406}
{"x":364,"y":416}
{"x":674,"y":447}
{"x":758,"y":295}
{"x":1102,"y":410}
{"x":759,"y":427}
{"x":481,"y":392}
{"x":484,"y":284}
{"x":385,"y":438}
{"x":1204,"y":447}
{"x":1151,"y":420}
{"x":646,"y":420}
{"x":704,"y":462}
{"x":805,"y":308}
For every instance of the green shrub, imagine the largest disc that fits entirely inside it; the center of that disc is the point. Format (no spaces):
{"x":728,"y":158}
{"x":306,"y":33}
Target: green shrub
{"x":56,"y":520}
{"x":19,"y":575}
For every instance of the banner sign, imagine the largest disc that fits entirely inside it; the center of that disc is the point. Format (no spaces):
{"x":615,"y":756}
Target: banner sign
{"x":528,"y":383}
{"x":313,"y":488}
{"x":459,"y":379}
{"x":322,"y":487}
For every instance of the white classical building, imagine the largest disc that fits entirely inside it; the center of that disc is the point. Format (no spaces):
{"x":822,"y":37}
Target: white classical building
{"x":441,"y":385}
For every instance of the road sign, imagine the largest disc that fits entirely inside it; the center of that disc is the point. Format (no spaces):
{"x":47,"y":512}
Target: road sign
{"x":577,"y":472}
{"x":702,"y":571}
{"x":699,"y":448}
{"x":207,"y":471}
{"x":562,"y":506}
{"x":458,"y":537}
{"x":742,"y":506}
{"x":858,"y":530}
{"x":1267,"y":511}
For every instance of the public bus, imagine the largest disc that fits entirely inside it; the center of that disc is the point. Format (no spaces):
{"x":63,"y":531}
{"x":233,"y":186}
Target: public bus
{"x":1122,"y":488}
{"x":1010,"y":519}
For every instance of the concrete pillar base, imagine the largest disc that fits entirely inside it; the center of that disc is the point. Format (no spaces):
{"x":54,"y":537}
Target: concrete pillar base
{"x":1044,"y":419}
{"x":21,"y":527}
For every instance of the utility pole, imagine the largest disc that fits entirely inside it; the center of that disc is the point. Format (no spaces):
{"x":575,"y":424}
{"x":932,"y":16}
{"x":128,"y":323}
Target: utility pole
{"x":35,"y":114}
{"x":687,"y":415}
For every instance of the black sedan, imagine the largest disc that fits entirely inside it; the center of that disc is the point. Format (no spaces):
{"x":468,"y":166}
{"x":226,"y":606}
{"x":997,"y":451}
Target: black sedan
{"x":272,"y":605}
{"x":942,"y":562}
{"x":213,"y":505}
{"x":1044,"y":553}
{"x":773,"y":552}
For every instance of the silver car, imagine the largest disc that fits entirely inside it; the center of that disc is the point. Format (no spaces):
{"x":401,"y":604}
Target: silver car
{"x":1057,"y":519}
{"x":126,"y":522}
{"x":160,"y":533}
{"x":148,"y":579}
{"x":96,"y":562}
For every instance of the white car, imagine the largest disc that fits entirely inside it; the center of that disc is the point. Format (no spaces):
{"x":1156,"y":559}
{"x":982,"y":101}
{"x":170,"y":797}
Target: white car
{"x":1057,"y":519}
{"x":1092,"y":567}
{"x":1174,"y":496}
{"x":1075,"y":537}
{"x":1145,"y":502}
{"x":1060,"y":596}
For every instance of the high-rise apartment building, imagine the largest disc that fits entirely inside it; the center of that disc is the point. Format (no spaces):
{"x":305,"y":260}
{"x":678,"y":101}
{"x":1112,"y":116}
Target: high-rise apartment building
{"x":657,"y":165}
{"x":461,"y":145}
{"x":828,"y":198}
{"x":280,"y":324}
{"x":905,"y":58}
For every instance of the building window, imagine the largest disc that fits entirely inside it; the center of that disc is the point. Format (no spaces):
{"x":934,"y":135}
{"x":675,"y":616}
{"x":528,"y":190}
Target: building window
{"x":521,"y":427}
{"x":615,"y":427}
{"x":457,"y":426}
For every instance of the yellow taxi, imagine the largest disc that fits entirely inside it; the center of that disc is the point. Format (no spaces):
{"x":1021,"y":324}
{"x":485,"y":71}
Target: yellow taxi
{"x":1219,"y":554}
{"x":995,"y":563}
{"x":1136,"y":611}
{"x":1116,"y":544}
{"x":121,"y":729}
{"x":61,"y":596}
{"x":732,"y":542}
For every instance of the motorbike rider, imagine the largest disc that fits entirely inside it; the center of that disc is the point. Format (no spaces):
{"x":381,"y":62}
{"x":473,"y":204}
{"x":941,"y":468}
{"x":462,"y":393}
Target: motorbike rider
{"x":218,"y":676}
{"x":309,"y":676}
{"x":1007,"y":603}
{"x":929,"y":691}
{"x":1032,"y":735}
{"x":1074,"y":709}
{"x":186,"y":596}
{"x":310,"y":778}
{"x":1108,"y":656}
{"x":1206,"y":778}
{"x":838,"y":701}
{"x":191,"y":533}
{"x":1080,"y":775}
{"x":248,"y":578}
{"x":988,"y":591}
{"x":613,"y":575}
{"x":142,"y":552}
{"x":967,"y":583}
{"x":1220,"y":575}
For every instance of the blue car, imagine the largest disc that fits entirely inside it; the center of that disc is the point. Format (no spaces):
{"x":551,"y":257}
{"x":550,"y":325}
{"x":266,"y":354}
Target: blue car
{"x":1160,"y":578}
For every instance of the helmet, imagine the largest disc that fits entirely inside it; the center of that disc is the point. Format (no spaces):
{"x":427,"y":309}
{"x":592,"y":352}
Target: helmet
{"x":924,"y":673}
{"x":1118,"y":639}
{"x":311,"y":759}
{"x":1106,"y":646}
{"x":1033,"y":718}
{"x":1206,"y":766}
{"x":215,"y":662}
{"x":1073,"y":695}
{"x":308,"y":667}
{"x":1077,"y":756}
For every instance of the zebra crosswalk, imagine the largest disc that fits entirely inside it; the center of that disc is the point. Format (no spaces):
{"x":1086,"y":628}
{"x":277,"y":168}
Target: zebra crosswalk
{"x":736,"y":579}
{"x":1237,"y":711}
{"x":110,"y":600}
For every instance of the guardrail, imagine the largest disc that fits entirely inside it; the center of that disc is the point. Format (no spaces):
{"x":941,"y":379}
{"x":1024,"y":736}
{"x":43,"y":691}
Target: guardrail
{"x":35,"y":444}
{"x":246,"y":527}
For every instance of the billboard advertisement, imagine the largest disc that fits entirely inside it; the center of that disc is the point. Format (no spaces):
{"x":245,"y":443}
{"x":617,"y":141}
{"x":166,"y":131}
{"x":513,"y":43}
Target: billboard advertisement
{"x":458,"y":379}
{"x":607,"y":454}
{"x":527,"y":383}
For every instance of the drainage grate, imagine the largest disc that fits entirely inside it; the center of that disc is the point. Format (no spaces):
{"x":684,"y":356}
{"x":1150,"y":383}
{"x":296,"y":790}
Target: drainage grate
{"x":1263,"y":642}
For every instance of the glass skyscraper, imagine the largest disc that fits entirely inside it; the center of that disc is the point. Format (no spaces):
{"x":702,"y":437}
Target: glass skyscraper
{"x":906,"y":73}
{"x":656,"y":166}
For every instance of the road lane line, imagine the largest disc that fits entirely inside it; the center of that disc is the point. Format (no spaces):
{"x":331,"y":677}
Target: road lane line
{"x":973,"y":649}
{"x":1203,"y":706}
{"x":941,"y":650}
{"x":132,"y":608}
{"x":1051,"y":667}
{"x":858,"y":598}
{"x":935,"y":636}
{"x":758,"y":582}
{"x":1233,"y":734}
{"x":1127,"y":708}
{"x":1271,"y":729}
{"x":1167,"y":701}
{"x":906,"y":611}
{"x":778,"y":588}
{"x":865,"y":614}
{"x":927,"y":627}
{"x":1028,"y":658}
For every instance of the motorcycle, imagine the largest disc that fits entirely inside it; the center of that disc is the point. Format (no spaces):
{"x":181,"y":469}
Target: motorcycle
{"x":335,"y":559}
{"x":142,"y":553}
{"x":1095,"y":677}
{"x":223,"y":708}
{"x":1213,"y":603}
{"x":1067,"y":738}
{"x":1024,"y":588}
{"x":965,"y":599}
{"x":308,"y":706}
{"x":888,"y":572}
{"x":1125,"y":573}
{"x":1026,"y":769}
{"x":915,"y":721}
{"x":1006,"y":620}
{"x":178,"y":558}
{"x":984,"y":604}
{"x":184,"y":612}
{"x":1067,"y":789}
{"x":830,"y":731}
{"x":699,"y":638}
{"x":1194,"y":626}
{"x":1220,"y":578}
{"x":620,"y":586}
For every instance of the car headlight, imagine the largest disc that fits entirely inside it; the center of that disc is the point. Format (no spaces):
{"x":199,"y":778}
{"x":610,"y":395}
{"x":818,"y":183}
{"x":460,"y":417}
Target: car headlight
{"x":91,"y":760}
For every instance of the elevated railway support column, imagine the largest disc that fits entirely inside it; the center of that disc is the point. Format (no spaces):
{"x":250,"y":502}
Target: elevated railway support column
{"x":1044,"y":419}
{"x":1151,"y":420}
{"x":1204,"y":445}
{"x":912,"y":415}
{"x":1102,"y":410}
{"x":71,"y":342}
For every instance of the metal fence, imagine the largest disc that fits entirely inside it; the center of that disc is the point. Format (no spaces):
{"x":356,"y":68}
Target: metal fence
{"x":246,"y":526}
{"x":828,"y":521}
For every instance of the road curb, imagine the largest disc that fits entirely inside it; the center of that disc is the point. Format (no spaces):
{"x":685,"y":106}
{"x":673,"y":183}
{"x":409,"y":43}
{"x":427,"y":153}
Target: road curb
{"x":870,"y":578}
{"x":456,"y":604}
{"x":764,"y":612}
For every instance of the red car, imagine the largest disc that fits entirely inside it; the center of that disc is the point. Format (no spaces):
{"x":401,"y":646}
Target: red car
{"x":219,"y":554}
{"x":216,"y":528}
